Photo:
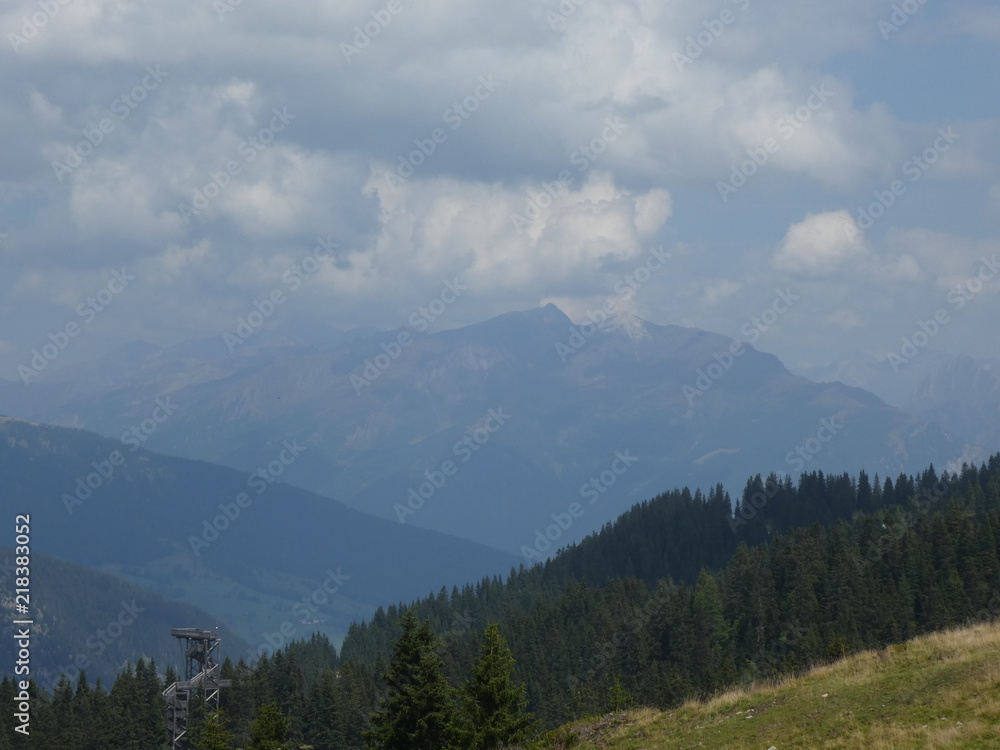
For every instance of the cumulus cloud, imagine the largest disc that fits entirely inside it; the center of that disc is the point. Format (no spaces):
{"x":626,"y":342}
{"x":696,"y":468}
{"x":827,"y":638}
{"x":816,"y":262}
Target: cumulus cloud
{"x":491,"y":236}
{"x":819,"y":244}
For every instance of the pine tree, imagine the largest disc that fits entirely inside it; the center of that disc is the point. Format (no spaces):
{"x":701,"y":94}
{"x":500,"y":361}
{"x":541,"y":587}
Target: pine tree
{"x":269,"y":729}
{"x":151,"y":726}
{"x":713,"y":655}
{"x":619,"y":699}
{"x":213,"y":734}
{"x":419,"y":711}
{"x":492,"y":705}
{"x":324,"y":726}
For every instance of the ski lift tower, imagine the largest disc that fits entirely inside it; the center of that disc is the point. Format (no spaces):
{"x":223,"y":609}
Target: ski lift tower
{"x":202,"y":669}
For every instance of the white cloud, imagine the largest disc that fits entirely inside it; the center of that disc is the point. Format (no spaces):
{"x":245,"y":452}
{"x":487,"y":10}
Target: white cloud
{"x":611,"y":59}
{"x":652,"y":211}
{"x":177,"y":260}
{"x":947,"y":258}
{"x":718,"y":290}
{"x":819,"y":244}
{"x":440,"y":227}
{"x":45,"y":112}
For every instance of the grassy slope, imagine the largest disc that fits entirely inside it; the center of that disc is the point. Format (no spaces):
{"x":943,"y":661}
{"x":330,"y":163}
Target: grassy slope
{"x":939,"y":691}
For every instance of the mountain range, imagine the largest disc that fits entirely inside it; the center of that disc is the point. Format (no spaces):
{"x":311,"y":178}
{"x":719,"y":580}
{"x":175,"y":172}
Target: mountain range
{"x":272,"y":561}
{"x":86,"y":621}
{"x":495,"y":431}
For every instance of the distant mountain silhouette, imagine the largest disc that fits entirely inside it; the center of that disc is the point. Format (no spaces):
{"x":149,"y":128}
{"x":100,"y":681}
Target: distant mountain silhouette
{"x":384,"y":415}
{"x":254,"y":552}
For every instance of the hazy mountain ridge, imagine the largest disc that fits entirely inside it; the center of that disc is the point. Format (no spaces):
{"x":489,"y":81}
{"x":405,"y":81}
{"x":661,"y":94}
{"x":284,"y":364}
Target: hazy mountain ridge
{"x":220,"y":538}
{"x":863,"y":370}
{"x":381,"y":417}
{"x":964,"y":393}
{"x":86,"y":620}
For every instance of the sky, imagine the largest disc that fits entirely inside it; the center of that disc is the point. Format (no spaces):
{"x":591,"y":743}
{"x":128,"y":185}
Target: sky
{"x":816,"y":178}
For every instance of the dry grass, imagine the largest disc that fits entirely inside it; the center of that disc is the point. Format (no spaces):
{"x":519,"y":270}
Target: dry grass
{"x":940,"y":691}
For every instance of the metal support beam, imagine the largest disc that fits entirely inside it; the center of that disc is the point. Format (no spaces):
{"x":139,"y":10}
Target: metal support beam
{"x":202,"y":670}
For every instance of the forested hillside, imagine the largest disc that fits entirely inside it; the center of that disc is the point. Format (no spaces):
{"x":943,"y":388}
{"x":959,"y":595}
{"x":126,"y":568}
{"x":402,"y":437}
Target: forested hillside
{"x":681,"y":598}
{"x":244,"y":548}
{"x":677,"y":600}
{"x":86,"y":620}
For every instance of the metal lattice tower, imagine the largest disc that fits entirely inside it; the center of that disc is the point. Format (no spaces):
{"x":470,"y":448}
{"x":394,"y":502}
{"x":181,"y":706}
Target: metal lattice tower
{"x":201,"y":672}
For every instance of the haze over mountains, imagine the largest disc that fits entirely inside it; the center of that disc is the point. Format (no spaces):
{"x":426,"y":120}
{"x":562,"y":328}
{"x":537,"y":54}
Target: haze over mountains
{"x":94,"y":622}
{"x":257,"y":554}
{"x":486,"y":431}
{"x":965,"y":394}
{"x":958,"y":391}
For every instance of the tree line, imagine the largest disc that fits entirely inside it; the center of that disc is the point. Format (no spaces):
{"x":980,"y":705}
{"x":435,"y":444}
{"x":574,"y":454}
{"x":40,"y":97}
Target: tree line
{"x":684,"y":595}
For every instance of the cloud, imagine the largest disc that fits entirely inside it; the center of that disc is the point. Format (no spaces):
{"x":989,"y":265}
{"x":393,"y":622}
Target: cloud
{"x":948,"y":259}
{"x":718,"y":290}
{"x":819,"y":244}
{"x":683,"y":129}
{"x":845,"y":319}
{"x":437,"y":227}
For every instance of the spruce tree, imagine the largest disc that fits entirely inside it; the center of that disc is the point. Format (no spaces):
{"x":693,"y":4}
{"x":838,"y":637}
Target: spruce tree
{"x":269,"y":729}
{"x":493,"y":705}
{"x":418,"y":712}
{"x":213,"y":734}
{"x":619,"y":699}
